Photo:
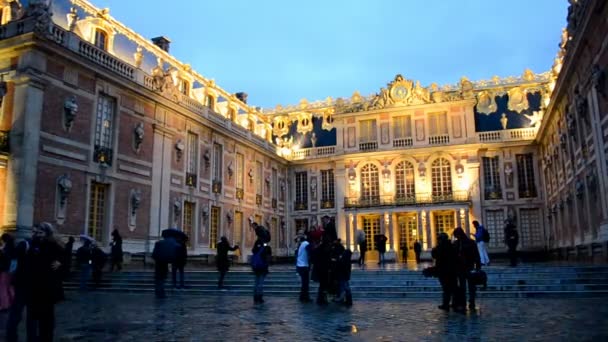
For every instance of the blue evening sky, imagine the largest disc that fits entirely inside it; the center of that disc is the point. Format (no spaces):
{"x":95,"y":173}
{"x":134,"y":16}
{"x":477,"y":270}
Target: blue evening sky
{"x":282,"y":51}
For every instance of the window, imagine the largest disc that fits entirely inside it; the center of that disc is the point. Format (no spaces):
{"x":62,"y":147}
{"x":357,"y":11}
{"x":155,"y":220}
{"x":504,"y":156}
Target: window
{"x":404,"y":179}
{"x":275,"y":184}
{"x":217,"y":162}
{"x":525,"y":175}
{"x":438,"y":124}
{"x":301,"y":191}
{"x":441,"y":179}
{"x":259,"y":177}
{"x":367,"y":131}
{"x":491,"y":178}
{"x":210,"y":102}
{"x":371,"y":227}
{"x":97,"y":211}
{"x":495,"y":225}
{"x":274,"y":232}
{"x":327,"y":189}
{"x":188,"y":226}
{"x":183,"y":86}
{"x":101,"y":39}
{"x":238,"y":228}
{"x":402,"y":127}
{"x":530,"y":227}
{"x":192,"y":163}
{"x":301,"y":225}
{"x":104,"y":126}
{"x":240,"y":175}
{"x":444,"y":223}
{"x":370,"y":185}
{"x":214,"y":226}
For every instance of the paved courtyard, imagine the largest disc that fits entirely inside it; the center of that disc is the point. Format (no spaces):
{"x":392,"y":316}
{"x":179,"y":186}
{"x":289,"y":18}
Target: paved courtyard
{"x":124,"y":317}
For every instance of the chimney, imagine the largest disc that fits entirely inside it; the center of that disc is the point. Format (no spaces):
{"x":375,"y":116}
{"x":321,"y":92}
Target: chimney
{"x":162,"y":42}
{"x":241,"y":96}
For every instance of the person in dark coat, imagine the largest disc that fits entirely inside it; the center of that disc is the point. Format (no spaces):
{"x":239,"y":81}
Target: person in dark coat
{"x":511,"y":240}
{"x":99,"y":261}
{"x":321,"y":257}
{"x":334,"y":267}
{"x":404,"y":253}
{"x":84,"y":258}
{"x":445,"y":257}
{"x":67,"y":261}
{"x":20,"y":285}
{"x":116,"y":257}
{"x":164,"y":253}
{"x":343,"y":275}
{"x":260,"y":260}
{"x":223,"y":263}
{"x":417,"y":250}
{"x":180,"y":262}
{"x":380,"y":240}
{"x":467,"y":259}
{"x":43,"y":282}
{"x":7,"y":254}
{"x":329,"y":228}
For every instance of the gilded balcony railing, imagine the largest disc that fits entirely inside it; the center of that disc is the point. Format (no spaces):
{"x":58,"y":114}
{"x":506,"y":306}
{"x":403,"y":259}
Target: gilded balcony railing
{"x":419,"y":199}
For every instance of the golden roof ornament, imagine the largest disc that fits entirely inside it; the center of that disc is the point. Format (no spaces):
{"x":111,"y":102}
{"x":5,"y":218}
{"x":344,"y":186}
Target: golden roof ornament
{"x":303,"y":103}
{"x":518,"y":99}
{"x":486,"y":102}
{"x":528,"y":75}
{"x":356,"y":97}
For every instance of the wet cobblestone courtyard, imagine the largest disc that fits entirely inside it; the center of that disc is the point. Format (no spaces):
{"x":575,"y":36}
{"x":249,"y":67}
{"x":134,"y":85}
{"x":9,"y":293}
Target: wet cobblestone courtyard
{"x":138,"y":317}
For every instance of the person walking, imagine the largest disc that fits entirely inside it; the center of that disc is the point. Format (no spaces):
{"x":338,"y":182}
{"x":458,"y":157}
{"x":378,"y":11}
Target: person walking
{"x":19,"y":274}
{"x":362,"y":243}
{"x":467,"y":259}
{"x":511,"y":240}
{"x":343,"y":271}
{"x":67,"y":261}
{"x":380,"y":240}
{"x":320,"y":271}
{"x":164,"y":253}
{"x":417,"y":250}
{"x":84,"y":258}
{"x":403,"y":252}
{"x":482,"y":237}
{"x":445,"y":256}
{"x":98,"y":263}
{"x":222,"y":261}
{"x":116,"y":256}
{"x":180,"y":262}
{"x":260,"y":260}
{"x":7,"y":255}
{"x":43,"y":282}
{"x":303,"y":268}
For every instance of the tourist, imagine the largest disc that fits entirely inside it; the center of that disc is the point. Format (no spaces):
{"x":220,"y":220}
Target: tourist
{"x":467,"y":259}
{"x":20,"y":283}
{"x":43,"y":282}
{"x":482,"y":237}
{"x":343,"y":271}
{"x":303,"y":268}
{"x":259,"y":261}
{"x":180,"y":261}
{"x":445,"y":257}
{"x":84,"y":258}
{"x":164,"y":253}
{"x":7,"y":256}
{"x":362,"y":243}
{"x":320,"y":271}
{"x":116,"y":256}
{"x":417,"y":250}
{"x":511,"y":240}
{"x":222,"y":261}
{"x":380,"y":240}
{"x":99,"y":261}
{"x":404,"y":252}
{"x":329,"y":228}
{"x":67,"y":261}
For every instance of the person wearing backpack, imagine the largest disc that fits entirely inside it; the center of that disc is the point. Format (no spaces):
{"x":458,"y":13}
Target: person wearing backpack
{"x":259,"y":262}
{"x":482,"y":237}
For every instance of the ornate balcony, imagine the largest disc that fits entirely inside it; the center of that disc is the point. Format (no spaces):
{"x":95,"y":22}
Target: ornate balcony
{"x":102,"y":155}
{"x":4,"y":142}
{"x":327,"y":203}
{"x":240,"y":193}
{"x":191,"y":179}
{"x":216,"y":187}
{"x":368,"y":146}
{"x":300,"y":205}
{"x":419,"y":199}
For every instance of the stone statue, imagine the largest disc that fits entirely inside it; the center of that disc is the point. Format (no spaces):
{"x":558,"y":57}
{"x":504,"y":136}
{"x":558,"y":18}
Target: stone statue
{"x":72,"y":18}
{"x":65,"y":187}
{"x":580,"y":102}
{"x":135,"y":201}
{"x":40,"y":10}
{"x":138,"y":135}
{"x":138,"y":57}
{"x":598,"y":79}
{"x":564,"y":41}
{"x":70,"y":109}
{"x":313,"y":139}
{"x":571,"y":123}
{"x":466,"y":88}
{"x":503,"y":121}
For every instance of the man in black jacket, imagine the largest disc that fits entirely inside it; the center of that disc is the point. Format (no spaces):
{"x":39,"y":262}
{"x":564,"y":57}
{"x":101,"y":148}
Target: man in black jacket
{"x":445,"y":256}
{"x":511,"y":240}
{"x":467,"y":259}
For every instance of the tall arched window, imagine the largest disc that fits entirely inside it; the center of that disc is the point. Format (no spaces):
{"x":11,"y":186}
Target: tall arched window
{"x":101,"y":39}
{"x":370,"y":184}
{"x":404,"y":179}
{"x":441,"y":179}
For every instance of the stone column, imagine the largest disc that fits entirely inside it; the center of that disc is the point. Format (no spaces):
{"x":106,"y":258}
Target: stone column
{"x":341,"y":217}
{"x":464,"y":221}
{"x":475,"y":190}
{"x":422,"y":228}
{"x":160,"y":201}
{"x":391,"y":233}
{"x":348,"y":227}
{"x":602,"y":163}
{"x":355,"y":226}
{"x":23,"y":164}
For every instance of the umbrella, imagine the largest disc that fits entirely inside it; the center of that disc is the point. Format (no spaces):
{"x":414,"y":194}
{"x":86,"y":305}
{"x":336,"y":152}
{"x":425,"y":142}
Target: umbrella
{"x":86,"y":237}
{"x":174,"y":233}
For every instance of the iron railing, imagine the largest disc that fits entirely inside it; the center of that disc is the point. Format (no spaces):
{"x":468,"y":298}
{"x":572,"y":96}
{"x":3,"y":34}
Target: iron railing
{"x":418,"y":199}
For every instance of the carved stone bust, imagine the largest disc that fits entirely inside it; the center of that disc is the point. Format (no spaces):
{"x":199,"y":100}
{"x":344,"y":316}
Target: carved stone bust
{"x":70,"y":109}
{"x":138,"y":135}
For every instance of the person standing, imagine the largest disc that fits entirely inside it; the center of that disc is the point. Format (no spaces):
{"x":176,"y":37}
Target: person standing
{"x":67,"y":262}
{"x":259,"y":261}
{"x":467,"y":259}
{"x":84,"y":258}
{"x":7,"y":255}
{"x":445,"y":257}
{"x":417,"y":250}
{"x":404,"y":252}
{"x":222,"y":261}
{"x":303,"y":268}
{"x":511,"y":240}
{"x":380,"y":240}
{"x":116,"y":257}
{"x":180,"y":262}
{"x":164,"y":253}
{"x":320,"y":271}
{"x":19,"y":274}
{"x":44,"y":287}
{"x":343,"y":272}
{"x":329,"y":228}
{"x":482,"y":237}
{"x":99,"y":261}
{"x":362,"y":243}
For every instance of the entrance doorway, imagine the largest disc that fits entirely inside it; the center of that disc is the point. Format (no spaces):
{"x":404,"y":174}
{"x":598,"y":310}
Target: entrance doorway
{"x":408,"y":234}
{"x":371,"y":227}
{"x":444,"y":222}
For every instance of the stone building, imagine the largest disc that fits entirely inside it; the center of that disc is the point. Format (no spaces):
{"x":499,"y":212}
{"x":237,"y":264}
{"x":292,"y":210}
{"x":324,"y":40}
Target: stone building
{"x":103,"y":129}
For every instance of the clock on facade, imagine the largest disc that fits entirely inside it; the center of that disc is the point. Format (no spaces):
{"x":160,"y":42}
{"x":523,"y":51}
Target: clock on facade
{"x":399,"y":92}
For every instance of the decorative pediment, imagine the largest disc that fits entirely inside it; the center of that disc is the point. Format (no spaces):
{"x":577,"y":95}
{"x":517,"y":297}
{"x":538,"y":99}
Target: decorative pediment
{"x":281,"y":125}
{"x":518,"y":100}
{"x":486,"y":102}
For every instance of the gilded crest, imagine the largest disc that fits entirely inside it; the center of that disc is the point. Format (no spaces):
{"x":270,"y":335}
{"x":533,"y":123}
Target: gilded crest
{"x":486,"y":102}
{"x":281,"y":126}
{"x":304,"y":122}
{"x":518,"y":100}
{"x":328,"y":120}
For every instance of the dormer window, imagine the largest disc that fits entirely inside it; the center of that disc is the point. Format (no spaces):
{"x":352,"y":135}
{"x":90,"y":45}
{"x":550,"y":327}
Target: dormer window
{"x":184,"y":87}
{"x":210,"y":101}
{"x":101,"y":39}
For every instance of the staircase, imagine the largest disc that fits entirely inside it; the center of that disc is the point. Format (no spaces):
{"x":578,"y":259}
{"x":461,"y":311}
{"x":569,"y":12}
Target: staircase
{"x":503,"y":282}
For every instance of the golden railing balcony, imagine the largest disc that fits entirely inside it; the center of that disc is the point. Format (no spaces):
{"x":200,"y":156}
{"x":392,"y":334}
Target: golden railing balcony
{"x":216,"y":187}
{"x":191,"y":179}
{"x":419,"y":199}
{"x":327,"y":203}
{"x":300,"y":205}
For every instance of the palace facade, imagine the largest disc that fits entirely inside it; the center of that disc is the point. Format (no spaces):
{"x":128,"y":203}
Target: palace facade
{"x":103,"y":129}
